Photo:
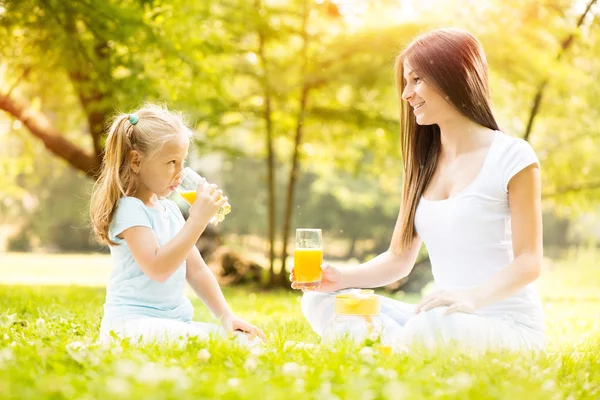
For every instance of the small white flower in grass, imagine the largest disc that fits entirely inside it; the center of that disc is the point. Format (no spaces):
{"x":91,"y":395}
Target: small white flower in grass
{"x":300,"y":384}
{"x":40,"y":323}
{"x":233,"y":382}
{"x":203,"y":355}
{"x":463,"y":380}
{"x":257,"y":351}
{"x":290,"y":344}
{"x":177,"y":375}
{"x":6,"y":337}
{"x":386,"y":373}
{"x":366,"y":351}
{"x":151,"y":373}
{"x":250,"y":364}
{"x":373,"y":336}
{"x":77,"y":351}
{"x":367,"y":354}
{"x":117,"y":349}
{"x":292,"y":369}
{"x":395,"y":390}
{"x":127,"y":368}
{"x":6,"y":355}
{"x":118,"y":386}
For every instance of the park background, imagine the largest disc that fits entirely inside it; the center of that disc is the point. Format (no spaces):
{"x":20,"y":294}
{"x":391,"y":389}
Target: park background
{"x":295,"y":116}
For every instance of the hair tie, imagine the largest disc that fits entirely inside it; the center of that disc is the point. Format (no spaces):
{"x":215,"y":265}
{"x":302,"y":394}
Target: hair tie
{"x":133,"y":119}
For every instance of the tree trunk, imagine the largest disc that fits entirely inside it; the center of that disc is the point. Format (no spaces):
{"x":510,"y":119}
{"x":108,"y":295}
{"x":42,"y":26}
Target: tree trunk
{"x":352,"y":248}
{"x":270,"y":152}
{"x":539,"y":94}
{"x":294,"y":170}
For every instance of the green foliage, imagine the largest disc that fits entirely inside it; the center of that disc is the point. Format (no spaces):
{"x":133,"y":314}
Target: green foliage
{"x":71,"y":59}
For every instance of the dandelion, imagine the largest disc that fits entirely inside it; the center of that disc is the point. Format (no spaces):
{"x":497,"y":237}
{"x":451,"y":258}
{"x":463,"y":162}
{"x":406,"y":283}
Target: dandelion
{"x":40,"y":323}
{"x":233,"y":382}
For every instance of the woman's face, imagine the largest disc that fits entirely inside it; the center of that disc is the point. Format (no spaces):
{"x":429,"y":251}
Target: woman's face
{"x":428,"y":105}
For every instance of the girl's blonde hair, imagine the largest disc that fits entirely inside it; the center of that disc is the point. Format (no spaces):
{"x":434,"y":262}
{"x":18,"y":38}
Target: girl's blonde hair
{"x":156,"y":125}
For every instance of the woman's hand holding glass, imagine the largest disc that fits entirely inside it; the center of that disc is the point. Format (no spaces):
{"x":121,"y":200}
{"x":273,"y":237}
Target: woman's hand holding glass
{"x":330,"y":279}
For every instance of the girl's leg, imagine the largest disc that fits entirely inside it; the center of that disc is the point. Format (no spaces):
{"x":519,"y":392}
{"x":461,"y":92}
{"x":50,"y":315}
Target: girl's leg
{"x":148,"y":330}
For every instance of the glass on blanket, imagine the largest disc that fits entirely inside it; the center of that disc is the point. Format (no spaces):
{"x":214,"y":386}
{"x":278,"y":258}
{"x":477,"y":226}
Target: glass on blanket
{"x":308,"y":257}
{"x":187,"y":190}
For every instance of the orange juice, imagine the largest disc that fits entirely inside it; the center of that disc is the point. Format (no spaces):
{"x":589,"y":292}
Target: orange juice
{"x":307,"y":267}
{"x":188,"y":195}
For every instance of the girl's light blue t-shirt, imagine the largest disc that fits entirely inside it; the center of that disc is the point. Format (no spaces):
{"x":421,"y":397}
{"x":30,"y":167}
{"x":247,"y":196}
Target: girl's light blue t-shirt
{"x":130,"y":293}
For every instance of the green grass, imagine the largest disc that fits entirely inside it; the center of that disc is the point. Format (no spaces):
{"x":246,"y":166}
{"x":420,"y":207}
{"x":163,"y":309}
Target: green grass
{"x":48,"y":348}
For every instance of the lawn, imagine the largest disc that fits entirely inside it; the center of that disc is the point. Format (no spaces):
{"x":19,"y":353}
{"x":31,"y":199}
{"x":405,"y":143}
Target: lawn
{"x":50,"y":310}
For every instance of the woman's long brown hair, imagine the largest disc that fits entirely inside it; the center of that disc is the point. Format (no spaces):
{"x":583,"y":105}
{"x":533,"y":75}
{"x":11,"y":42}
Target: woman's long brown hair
{"x":453,"y":62}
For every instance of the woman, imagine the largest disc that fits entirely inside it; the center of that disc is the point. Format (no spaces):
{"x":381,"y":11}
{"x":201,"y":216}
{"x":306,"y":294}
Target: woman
{"x":471,"y":194}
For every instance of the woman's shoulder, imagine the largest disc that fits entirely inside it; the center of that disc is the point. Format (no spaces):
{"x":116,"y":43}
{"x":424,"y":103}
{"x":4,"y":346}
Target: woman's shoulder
{"x":513,"y":155}
{"x":512,"y":144}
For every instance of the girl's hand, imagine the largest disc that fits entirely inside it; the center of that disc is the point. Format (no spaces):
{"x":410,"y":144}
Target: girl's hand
{"x":232,"y":323}
{"x":456,"y":301}
{"x":209,"y":198}
{"x":330,"y":279}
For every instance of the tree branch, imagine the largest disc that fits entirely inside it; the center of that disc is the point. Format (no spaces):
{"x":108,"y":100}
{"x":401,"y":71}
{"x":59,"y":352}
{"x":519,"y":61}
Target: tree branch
{"x":566,"y":43}
{"x":40,"y":127}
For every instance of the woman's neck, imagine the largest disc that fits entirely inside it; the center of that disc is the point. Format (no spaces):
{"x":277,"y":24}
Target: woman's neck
{"x":461,"y":135}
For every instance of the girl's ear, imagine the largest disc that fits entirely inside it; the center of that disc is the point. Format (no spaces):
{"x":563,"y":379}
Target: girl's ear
{"x":135,"y":161}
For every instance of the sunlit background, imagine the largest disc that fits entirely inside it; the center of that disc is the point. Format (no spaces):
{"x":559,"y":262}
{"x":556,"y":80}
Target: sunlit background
{"x":263,"y":83}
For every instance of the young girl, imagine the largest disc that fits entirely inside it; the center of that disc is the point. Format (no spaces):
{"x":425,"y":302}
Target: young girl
{"x":152,"y":247}
{"x":472,"y":194}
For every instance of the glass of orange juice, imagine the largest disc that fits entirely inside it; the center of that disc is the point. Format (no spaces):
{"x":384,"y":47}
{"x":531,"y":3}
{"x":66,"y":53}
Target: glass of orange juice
{"x":187,"y":190}
{"x":308,"y":257}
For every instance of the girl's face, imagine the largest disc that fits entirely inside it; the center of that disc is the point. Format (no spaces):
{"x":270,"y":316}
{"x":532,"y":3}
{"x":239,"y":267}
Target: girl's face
{"x":162,"y":173}
{"x":428,"y":105}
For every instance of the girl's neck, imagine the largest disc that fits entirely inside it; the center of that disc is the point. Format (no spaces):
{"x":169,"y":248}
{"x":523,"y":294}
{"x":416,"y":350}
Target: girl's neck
{"x":148,"y":198}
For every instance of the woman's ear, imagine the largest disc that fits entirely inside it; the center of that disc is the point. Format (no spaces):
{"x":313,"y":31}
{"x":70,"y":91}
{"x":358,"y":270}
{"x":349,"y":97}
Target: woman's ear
{"x":135,"y":161}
